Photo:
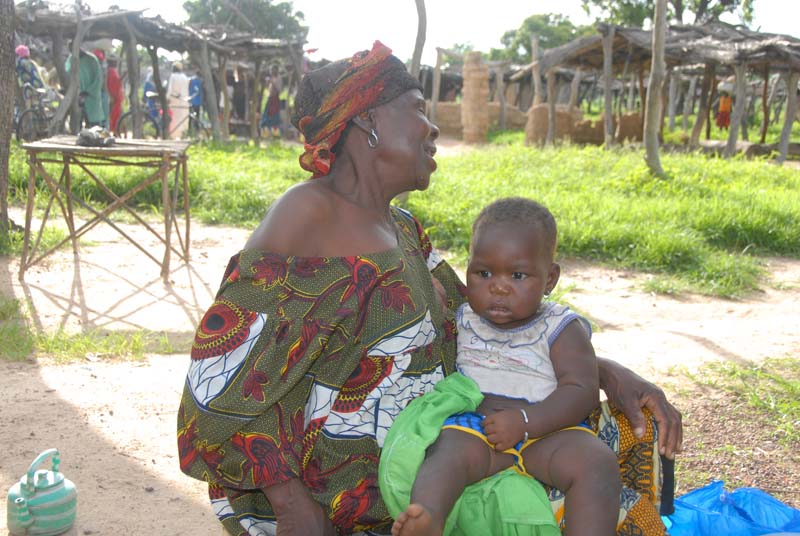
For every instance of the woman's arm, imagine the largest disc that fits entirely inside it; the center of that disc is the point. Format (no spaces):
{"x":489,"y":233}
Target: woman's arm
{"x":630,"y":393}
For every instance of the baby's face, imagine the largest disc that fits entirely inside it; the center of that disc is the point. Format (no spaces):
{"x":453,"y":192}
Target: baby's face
{"x":510,"y":269}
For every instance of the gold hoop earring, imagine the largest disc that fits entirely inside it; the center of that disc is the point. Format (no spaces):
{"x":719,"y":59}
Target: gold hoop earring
{"x":372,"y":139}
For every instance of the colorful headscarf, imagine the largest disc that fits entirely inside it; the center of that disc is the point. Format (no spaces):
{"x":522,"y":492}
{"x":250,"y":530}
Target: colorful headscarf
{"x":329,"y":97}
{"x":22,"y":51}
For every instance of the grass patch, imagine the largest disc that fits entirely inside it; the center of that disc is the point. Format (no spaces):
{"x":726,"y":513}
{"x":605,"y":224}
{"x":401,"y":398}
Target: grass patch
{"x":741,"y":425}
{"x":16,"y":341}
{"x":701,"y":230}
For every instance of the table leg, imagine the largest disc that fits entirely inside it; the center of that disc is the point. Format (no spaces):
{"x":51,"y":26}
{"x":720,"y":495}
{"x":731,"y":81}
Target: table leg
{"x":165,"y":198}
{"x":28,"y":213}
{"x":186,"y":204}
{"x":70,"y":214}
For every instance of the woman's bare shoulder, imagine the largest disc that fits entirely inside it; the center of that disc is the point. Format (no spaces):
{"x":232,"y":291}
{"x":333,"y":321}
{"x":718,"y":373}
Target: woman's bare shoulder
{"x":293,"y":220}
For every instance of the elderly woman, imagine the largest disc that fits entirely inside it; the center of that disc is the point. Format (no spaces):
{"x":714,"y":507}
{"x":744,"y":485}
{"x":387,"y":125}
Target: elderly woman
{"x":328,"y":322}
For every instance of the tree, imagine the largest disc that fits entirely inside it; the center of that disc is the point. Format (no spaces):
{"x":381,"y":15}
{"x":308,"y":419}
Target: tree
{"x":420,"y":42}
{"x":264,"y":17}
{"x":7,"y":87}
{"x":652,"y":113}
{"x":635,"y":12}
{"x":552,"y":29}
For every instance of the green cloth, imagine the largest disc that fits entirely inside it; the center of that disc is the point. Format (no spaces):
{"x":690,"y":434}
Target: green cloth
{"x":91,"y":84}
{"x":506,"y":504}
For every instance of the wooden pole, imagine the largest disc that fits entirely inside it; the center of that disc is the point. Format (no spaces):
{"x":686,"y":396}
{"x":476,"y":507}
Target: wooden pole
{"x":166,"y":127}
{"x":652,"y":112}
{"x":573,"y":90}
{"x":702,"y":112}
{"x":500,"y":85}
{"x":688,"y":102}
{"x":551,"y":107}
{"x":674,"y":83}
{"x":255,"y":100}
{"x":222,"y":76}
{"x":437,"y":84}
{"x":738,"y":109}
{"x":711,"y":98}
{"x":536,"y":72}
{"x":608,"y":52}
{"x":765,"y":105}
{"x":210,"y":90}
{"x":789,"y":118}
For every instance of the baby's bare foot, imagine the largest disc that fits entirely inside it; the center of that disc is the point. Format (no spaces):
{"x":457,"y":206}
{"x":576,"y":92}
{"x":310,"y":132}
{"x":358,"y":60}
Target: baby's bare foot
{"x":416,"y":521}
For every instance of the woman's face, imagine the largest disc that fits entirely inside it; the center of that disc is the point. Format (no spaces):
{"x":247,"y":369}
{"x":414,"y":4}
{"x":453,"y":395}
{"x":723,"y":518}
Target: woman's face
{"x":407,"y":139}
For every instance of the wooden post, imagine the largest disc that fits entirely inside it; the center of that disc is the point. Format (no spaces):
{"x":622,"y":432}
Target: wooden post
{"x":642,"y":92}
{"x":255,"y":99}
{"x":608,"y":52}
{"x":132,"y":61}
{"x":573,"y":90}
{"x":791,"y":111}
{"x":702,"y":112}
{"x":738,"y":109}
{"x":70,"y":102}
{"x":58,"y":58}
{"x":551,"y":106}
{"x":711,"y":98}
{"x":500,"y":85}
{"x":536,"y":72}
{"x":166,"y":127}
{"x":765,"y":105}
{"x":631,"y":104}
{"x":210,"y":90}
{"x":674,"y":82}
{"x":688,"y":102}
{"x":437,"y":84}
{"x":622,"y":79}
{"x":222,"y":76}
{"x":652,"y":113}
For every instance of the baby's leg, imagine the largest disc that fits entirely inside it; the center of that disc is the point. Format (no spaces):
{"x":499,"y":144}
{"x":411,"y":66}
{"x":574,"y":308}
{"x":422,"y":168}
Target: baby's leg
{"x":456,"y":460}
{"x":587,"y":471}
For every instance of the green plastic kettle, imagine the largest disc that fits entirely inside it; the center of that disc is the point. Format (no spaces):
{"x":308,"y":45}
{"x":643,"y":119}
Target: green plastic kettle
{"x":43,"y":502}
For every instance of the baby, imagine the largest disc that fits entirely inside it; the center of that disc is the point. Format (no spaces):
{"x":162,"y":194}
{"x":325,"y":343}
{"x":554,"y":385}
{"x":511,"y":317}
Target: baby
{"x":532,"y":358}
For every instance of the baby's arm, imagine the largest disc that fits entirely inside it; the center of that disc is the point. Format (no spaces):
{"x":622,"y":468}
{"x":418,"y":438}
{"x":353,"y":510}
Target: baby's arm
{"x":576,"y":394}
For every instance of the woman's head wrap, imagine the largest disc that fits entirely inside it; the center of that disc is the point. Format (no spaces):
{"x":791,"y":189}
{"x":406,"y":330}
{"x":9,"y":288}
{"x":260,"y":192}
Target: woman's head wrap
{"x":22,"y":51}
{"x":329,"y":97}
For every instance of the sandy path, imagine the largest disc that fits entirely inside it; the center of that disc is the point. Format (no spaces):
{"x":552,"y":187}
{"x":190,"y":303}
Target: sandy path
{"x":114,"y":422}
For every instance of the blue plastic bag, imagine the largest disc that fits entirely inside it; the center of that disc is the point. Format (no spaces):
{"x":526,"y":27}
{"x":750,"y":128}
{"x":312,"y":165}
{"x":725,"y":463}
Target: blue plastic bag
{"x":713,"y":511}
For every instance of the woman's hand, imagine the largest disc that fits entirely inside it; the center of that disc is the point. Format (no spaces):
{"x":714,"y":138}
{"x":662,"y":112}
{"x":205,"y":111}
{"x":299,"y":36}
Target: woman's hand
{"x":441,"y":294}
{"x":296,"y":512}
{"x":630,"y":393}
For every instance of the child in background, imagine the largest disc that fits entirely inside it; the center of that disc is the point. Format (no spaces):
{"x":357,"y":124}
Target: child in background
{"x":515,"y":346}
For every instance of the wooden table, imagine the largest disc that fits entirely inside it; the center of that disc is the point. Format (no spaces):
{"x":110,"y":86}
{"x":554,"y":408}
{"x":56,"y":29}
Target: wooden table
{"x":165,"y":158}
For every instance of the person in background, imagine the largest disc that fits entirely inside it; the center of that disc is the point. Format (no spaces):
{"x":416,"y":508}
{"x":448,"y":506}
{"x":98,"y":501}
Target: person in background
{"x":116,"y":93}
{"x":27,"y":70}
{"x":104,"y":96}
{"x":92,"y":83}
{"x":271,"y":118}
{"x":178,"y":96}
{"x":196,"y":93}
{"x":327,"y":323}
{"x":723,"y":118}
{"x":150,"y":103}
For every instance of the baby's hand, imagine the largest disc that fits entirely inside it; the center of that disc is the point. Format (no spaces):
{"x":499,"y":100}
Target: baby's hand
{"x":504,"y":429}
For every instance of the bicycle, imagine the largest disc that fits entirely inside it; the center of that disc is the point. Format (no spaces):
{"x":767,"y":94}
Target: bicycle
{"x":153,"y":125}
{"x":32,"y":124}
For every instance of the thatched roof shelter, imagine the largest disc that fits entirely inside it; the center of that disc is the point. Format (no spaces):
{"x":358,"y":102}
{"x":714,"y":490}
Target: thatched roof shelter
{"x":43,"y":20}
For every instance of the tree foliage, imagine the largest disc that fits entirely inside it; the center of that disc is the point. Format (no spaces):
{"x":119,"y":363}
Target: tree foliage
{"x":635,"y":12}
{"x":552,"y":29}
{"x":263,"y":17}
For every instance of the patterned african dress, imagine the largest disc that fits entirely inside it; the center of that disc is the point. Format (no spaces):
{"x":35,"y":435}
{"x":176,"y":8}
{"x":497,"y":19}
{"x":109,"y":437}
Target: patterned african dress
{"x":299,"y":368}
{"x":301,"y":365}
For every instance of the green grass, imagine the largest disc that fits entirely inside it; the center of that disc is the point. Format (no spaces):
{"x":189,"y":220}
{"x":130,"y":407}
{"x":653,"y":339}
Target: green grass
{"x":771,"y":388}
{"x":19,"y":342}
{"x":701,"y":230}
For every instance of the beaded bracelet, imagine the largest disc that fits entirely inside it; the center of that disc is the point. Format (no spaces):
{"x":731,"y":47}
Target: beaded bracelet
{"x":524,"y":416}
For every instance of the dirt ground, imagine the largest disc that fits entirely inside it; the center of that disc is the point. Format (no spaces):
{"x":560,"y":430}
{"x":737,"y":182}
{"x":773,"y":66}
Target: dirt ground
{"x":114,"y":422}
